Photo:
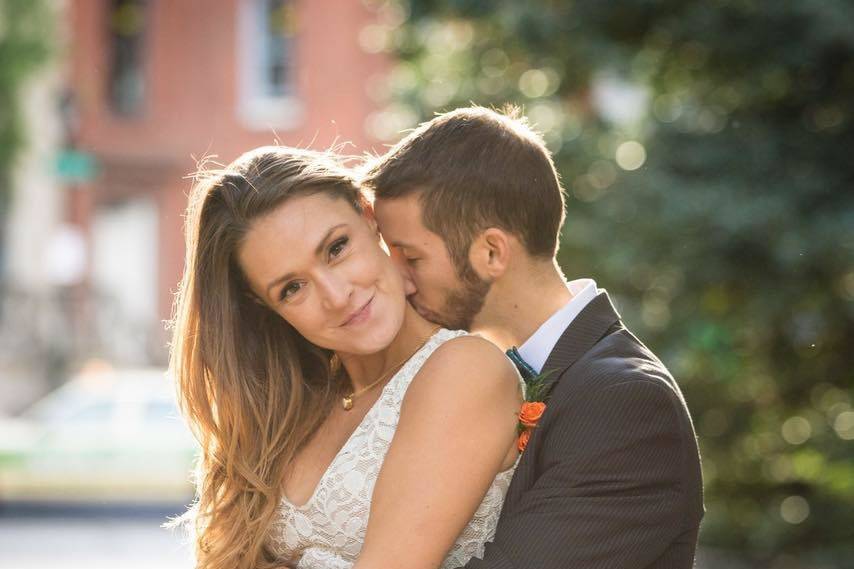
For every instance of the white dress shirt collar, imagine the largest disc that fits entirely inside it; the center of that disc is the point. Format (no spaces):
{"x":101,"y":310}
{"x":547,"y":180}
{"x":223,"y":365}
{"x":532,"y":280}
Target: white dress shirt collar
{"x":537,"y":348}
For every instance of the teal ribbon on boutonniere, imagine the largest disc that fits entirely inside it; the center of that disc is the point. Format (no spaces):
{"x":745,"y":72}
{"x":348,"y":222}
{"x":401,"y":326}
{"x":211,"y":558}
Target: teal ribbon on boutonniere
{"x":525,"y":369}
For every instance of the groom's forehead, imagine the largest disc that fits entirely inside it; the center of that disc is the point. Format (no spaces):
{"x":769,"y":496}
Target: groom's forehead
{"x":401,"y":216}
{"x":399,"y":221}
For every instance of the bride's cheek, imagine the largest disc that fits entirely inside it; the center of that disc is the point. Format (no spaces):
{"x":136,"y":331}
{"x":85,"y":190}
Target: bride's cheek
{"x":377,"y":266}
{"x":391,"y":277}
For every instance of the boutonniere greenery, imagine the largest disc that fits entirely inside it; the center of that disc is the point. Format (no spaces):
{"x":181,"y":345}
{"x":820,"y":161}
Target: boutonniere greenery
{"x":532,"y":408}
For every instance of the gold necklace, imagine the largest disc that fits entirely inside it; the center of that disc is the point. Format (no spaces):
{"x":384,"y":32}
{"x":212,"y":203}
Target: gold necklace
{"x":347,"y":401}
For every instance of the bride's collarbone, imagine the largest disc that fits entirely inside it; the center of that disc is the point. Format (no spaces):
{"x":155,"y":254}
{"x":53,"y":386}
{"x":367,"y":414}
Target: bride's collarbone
{"x":311,"y":463}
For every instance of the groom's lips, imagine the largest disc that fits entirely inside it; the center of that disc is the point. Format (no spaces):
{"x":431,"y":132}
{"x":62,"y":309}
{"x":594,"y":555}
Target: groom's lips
{"x":425,"y":313}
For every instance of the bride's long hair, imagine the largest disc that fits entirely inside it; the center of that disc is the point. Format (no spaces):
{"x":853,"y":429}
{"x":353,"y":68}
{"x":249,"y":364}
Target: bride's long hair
{"x":253,"y":389}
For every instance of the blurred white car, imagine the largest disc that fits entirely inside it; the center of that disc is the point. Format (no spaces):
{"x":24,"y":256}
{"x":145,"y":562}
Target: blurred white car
{"x":106,"y":436}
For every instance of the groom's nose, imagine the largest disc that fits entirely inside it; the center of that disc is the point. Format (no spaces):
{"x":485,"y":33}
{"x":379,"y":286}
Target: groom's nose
{"x":409,"y":287}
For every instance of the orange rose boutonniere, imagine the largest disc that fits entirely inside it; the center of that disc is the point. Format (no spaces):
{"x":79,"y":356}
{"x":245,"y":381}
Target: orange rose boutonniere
{"x":531,"y":413}
{"x":532,"y":409}
{"x":523,"y":440}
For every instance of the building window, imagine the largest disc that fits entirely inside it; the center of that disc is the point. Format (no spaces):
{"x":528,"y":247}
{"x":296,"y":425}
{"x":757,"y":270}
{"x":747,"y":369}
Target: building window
{"x":126,"y":87}
{"x":267,"y":75}
{"x":277,"y":23}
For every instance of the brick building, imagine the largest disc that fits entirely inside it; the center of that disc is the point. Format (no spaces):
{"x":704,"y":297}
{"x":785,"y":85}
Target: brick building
{"x":156,"y":85}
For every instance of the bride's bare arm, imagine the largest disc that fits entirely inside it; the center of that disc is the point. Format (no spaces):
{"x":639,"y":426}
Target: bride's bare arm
{"x":457,"y":430}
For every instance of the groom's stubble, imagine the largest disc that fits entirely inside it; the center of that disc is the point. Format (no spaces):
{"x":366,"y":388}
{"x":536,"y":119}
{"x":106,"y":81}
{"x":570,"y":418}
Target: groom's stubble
{"x":463,"y":304}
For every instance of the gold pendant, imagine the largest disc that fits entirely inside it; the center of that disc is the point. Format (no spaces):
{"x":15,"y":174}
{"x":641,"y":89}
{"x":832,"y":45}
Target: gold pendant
{"x":347,"y":402}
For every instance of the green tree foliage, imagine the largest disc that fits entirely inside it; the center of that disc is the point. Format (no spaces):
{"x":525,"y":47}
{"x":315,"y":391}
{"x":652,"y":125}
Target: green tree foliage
{"x":720,"y":216}
{"x":24,"y":46}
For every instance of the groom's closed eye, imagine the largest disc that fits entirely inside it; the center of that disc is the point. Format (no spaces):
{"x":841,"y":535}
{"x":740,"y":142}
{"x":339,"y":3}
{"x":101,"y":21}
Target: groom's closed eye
{"x":411,"y":260}
{"x":409,"y":256}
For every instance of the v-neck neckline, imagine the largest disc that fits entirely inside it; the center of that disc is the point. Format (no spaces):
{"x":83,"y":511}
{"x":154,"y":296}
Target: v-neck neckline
{"x":307,"y":504}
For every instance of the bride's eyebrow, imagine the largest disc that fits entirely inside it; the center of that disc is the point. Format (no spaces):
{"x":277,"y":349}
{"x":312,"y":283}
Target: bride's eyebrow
{"x":318,"y":251}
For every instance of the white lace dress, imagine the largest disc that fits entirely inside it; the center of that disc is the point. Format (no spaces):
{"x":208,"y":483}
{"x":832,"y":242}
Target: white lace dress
{"x":328,"y":530}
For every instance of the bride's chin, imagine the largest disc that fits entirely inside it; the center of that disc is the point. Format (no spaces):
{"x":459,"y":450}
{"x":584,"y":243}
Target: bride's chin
{"x":379,"y":338}
{"x":369,"y":348}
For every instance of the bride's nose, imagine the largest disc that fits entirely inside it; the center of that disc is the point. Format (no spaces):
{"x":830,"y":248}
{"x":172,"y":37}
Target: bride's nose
{"x":334,"y":290}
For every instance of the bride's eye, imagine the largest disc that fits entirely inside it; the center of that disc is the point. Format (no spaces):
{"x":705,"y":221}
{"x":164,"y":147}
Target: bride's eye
{"x":337,"y":247}
{"x":289,"y":290}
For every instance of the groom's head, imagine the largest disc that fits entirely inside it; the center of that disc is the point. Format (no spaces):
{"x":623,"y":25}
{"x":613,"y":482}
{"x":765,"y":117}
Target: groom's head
{"x":462,"y":201}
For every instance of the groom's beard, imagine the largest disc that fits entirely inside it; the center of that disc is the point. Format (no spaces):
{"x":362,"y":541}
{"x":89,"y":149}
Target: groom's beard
{"x":464,"y":303}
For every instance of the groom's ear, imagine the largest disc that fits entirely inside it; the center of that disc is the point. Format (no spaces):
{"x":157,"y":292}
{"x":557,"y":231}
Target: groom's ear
{"x":490,"y":253}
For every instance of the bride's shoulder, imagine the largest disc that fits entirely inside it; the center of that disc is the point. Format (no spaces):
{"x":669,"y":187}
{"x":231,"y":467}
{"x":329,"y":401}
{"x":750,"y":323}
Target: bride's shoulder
{"x":464,"y":347}
{"x":467,"y":364}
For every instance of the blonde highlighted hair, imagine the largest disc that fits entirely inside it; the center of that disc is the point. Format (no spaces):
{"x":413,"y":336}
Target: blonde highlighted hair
{"x":253,"y":390}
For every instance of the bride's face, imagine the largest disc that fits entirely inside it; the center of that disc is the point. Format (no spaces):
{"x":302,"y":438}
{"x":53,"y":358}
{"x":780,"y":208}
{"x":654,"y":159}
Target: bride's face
{"x":318,"y":263}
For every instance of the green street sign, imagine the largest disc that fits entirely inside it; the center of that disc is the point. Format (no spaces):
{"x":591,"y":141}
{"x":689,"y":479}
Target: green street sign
{"x":73,"y":166}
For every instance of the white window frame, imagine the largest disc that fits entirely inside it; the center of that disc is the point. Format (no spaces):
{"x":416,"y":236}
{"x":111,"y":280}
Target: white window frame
{"x":256,"y":109}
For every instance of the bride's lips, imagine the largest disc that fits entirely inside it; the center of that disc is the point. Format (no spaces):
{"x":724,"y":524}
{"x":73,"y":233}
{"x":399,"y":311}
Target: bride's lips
{"x":360,"y":315}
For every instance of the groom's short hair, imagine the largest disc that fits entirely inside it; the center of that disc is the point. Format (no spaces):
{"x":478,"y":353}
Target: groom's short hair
{"x":475,"y":168}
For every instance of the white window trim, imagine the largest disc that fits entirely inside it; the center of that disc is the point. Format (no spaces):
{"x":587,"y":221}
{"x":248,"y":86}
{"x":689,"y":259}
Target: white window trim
{"x":255,"y":110}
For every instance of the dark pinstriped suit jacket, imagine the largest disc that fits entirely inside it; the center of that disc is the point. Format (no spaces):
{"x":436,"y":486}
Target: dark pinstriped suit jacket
{"x":611,"y":476}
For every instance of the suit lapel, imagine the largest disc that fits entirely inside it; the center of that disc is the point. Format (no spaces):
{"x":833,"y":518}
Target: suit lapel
{"x":583,"y":332}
